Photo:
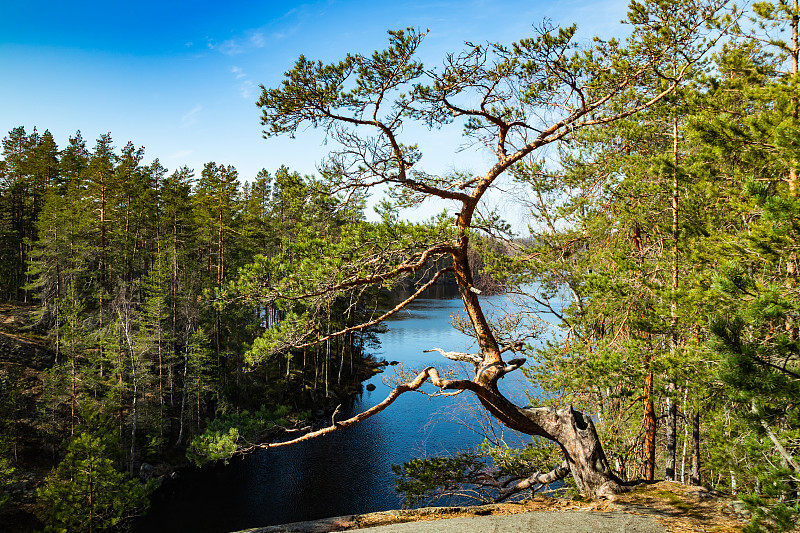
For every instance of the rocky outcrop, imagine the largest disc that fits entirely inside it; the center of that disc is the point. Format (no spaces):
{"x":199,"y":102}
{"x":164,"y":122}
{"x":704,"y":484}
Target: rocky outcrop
{"x":676,"y":507}
{"x":19,"y":344}
{"x":19,"y":350}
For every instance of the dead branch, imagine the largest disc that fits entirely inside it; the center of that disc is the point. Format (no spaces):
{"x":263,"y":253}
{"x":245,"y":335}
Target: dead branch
{"x":539,"y":478}
{"x":413,"y":264}
{"x":429,"y":374}
{"x":512,"y":365}
{"x":513,"y":346}
{"x":473,"y":358}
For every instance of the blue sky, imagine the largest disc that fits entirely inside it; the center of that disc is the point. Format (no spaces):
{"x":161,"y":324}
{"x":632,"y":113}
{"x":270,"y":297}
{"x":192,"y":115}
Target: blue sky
{"x":181,"y":78}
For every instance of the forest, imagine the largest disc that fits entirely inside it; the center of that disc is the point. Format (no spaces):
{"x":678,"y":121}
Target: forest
{"x":118,"y":266}
{"x":153,"y":317}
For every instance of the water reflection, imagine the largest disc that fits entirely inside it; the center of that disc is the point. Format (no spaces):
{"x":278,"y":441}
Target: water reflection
{"x":347,"y":472}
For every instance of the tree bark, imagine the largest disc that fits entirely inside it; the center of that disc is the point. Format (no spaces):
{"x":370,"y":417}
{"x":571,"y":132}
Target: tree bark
{"x":584,"y":453}
{"x":672,"y":437}
{"x":695,"y":478}
{"x":672,"y":409}
{"x":650,"y":430}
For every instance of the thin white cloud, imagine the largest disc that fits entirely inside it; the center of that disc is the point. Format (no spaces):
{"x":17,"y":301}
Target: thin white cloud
{"x":231,"y":47}
{"x":190,"y":117}
{"x":257,"y":39}
{"x":247,"y":89}
{"x":282,"y":35}
{"x":246,"y":86}
{"x":288,"y":30}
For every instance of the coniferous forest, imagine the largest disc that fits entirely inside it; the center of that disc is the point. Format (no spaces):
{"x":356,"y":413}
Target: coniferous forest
{"x":153,"y":316}
{"x":112,"y":273}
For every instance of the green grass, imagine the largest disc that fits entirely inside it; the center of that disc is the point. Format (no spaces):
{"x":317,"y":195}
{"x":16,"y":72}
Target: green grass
{"x":673,"y":500}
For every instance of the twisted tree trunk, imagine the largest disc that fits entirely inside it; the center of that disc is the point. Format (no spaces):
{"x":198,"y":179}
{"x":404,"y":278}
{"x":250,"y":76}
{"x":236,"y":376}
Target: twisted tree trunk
{"x":572,"y":430}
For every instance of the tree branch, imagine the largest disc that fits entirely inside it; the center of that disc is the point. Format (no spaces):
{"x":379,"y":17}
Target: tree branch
{"x":414,"y":263}
{"x":559,"y":472}
{"x":473,"y":358}
{"x":381,"y":318}
{"x":785,"y":455}
{"x":429,"y":374}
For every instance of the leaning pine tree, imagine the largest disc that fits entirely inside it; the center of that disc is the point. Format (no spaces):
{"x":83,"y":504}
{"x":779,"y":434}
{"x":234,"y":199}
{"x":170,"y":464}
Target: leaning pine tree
{"x":512,"y":100}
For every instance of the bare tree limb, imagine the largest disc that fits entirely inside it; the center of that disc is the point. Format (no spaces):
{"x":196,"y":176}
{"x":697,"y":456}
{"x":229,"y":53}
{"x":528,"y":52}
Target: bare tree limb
{"x":429,"y":374}
{"x":785,"y":455}
{"x":539,"y":478}
{"x":473,"y":358}
{"x":512,"y":365}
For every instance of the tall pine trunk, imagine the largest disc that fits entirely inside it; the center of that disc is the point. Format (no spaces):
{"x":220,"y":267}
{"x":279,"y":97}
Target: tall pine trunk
{"x":672,"y":408}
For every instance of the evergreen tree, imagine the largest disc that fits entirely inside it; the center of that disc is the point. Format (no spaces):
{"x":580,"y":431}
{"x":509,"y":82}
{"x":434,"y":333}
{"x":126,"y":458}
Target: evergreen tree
{"x":29,"y":165}
{"x":177,"y":236}
{"x":513,"y":99}
{"x":100,"y":190}
{"x":87,"y":493}
{"x":73,"y":163}
{"x":748,"y":132}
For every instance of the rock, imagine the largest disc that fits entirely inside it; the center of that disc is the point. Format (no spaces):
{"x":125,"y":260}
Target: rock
{"x":324,"y":525}
{"x":739,"y":507}
{"x":146,"y":472}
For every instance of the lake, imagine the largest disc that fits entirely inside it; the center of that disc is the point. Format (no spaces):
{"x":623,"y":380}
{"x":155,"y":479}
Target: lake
{"x":347,"y":472}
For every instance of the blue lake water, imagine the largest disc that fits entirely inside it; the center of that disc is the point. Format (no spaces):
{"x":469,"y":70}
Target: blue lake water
{"x":347,"y":472}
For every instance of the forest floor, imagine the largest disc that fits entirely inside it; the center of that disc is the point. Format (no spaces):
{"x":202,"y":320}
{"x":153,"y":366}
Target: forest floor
{"x":673,"y":507}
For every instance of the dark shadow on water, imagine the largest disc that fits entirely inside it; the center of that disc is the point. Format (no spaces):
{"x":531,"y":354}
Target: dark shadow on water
{"x":347,"y":472}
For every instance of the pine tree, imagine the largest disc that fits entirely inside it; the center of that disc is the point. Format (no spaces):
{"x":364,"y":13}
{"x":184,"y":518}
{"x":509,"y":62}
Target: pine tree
{"x":86,"y":493}
{"x":28,"y":167}
{"x":514,"y":100}
{"x":749,"y":132}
